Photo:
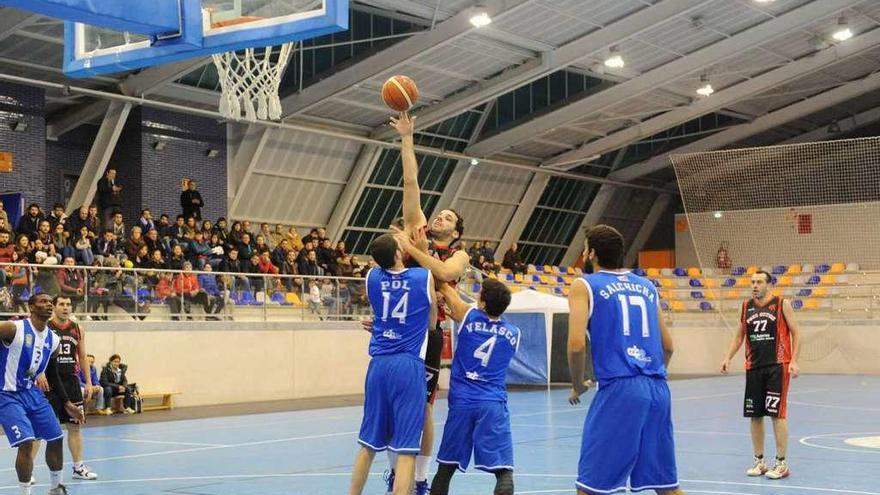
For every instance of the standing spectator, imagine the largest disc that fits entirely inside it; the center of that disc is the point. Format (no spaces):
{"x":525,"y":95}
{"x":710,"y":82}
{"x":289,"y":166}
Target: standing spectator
{"x":191,"y":201}
{"x":30,"y":221}
{"x":97,"y":390}
{"x":513,"y":262}
{"x":109,"y":195}
{"x":145,"y":222}
{"x":115,"y":385}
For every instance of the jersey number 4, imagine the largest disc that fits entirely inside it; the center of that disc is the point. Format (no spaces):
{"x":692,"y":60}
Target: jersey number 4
{"x":399,"y":310}
{"x":639,"y":302}
{"x":484,"y":352}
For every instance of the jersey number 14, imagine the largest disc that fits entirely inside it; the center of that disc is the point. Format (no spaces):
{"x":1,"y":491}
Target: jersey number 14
{"x":639,"y":302}
{"x":399,"y":310}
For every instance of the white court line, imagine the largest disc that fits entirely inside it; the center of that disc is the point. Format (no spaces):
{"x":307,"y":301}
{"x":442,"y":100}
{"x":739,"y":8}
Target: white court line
{"x":521,"y":475}
{"x":134,"y":440}
{"x":806,"y":441}
{"x":198,"y":449}
{"x":569,"y":490}
{"x":829,"y":406}
{"x":689,"y":432}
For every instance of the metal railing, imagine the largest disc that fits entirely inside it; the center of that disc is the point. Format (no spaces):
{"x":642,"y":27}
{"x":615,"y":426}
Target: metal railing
{"x":134,"y":293}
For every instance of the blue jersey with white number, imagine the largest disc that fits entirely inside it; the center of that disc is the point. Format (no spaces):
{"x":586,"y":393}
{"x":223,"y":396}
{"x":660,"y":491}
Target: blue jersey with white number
{"x":623,"y":326}
{"x":482,"y":354}
{"x":401,"y":309}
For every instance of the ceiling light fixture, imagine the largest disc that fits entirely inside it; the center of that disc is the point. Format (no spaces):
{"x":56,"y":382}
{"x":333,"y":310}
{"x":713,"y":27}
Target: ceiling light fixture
{"x":706,"y":89}
{"x":480,"y":17}
{"x":614,"y":60}
{"x":843,"y":32}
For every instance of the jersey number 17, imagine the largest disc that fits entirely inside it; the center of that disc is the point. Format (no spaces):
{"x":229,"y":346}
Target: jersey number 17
{"x":639,"y":302}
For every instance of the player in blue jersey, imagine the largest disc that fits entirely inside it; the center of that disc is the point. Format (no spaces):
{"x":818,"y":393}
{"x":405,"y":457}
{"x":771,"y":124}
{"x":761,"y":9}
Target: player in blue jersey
{"x":28,"y":350}
{"x":627,"y":440}
{"x":394,"y":412}
{"x":478,"y":420}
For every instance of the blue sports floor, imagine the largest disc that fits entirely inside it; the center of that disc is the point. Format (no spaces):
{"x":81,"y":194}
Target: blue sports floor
{"x":310,"y":452}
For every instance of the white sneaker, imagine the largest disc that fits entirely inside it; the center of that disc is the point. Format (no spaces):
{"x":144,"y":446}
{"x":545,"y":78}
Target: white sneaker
{"x":780,"y":470}
{"x":758,"y":467}
{"x":33,"y":480}
{"x":84,"y":473}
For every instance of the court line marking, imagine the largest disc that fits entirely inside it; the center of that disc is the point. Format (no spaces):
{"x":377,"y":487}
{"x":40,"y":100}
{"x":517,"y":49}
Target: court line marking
{"x":569,"y":490}
{"x":689,"y":432}
{"x":830,"y":406}
{"x":135,"y":440}
{"x":525,"y":475}
{"x":806,"y":441}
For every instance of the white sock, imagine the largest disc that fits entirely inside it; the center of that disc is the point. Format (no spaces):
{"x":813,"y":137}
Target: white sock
{"x":25,"y":487}
{"x":422,"y":462}
{"x":55,"y":479}
{"x":78,"y":465}
{"x":392,"y":459}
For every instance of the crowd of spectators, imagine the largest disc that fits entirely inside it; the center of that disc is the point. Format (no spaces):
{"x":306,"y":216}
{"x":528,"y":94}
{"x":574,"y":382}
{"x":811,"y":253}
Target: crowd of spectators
{"x":99,"y":235}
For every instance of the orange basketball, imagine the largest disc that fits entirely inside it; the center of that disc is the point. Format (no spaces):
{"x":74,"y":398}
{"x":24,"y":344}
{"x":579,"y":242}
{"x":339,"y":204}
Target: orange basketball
{"x":400,"y":93}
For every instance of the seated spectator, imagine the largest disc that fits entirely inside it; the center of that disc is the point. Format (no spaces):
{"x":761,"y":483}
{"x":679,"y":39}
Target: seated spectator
{"x":279,"y":254}
{"x":7,"y":249}
{"x":310,"y":268}
{"x":340,"y":251}
{"x":81,"y":248}
{"x":487,"y":264}
{"x":247,"y":228}
{"x":23,"y":247}
{"x":106,"y":245}
{"x":57,"y":216}
{"x":134,"y":242}
{"x":207,"y":229}
{"x":233,"y":264}
{"x":80,"y":219}
{"x":278,"y":235}
{"x":177,"y":258}
{"x":117,"y":393}
{"x":4,"y":217}
{"x":18,"y":278}
{"x":253,"y":266}
{"x":29,"y":223}
{"x":293,"y":237}
{"x":722,"y":259}
{"x":164,"y":289}
{"x":326,"y":256}
{"x":260,"y":245}
{"x":235,"y":233}
{"x":94,"y":222}
{"x":290,"y":267}
{"x":141,"y":258}
{"x":191,"y":225}
{"x":268,"y":239}
{"x":246,"y":247}
{"x":118,"y":226}
{"x":187,"y":284}
{"x":216,"y":256}
{"x":145,"y":222}
{"x":345,"y":266}
{"x":46,"y":278}
{"x":178,"y":230}
{"x":100,"y":282}
{"x":44,"y":232}
{"x":60,"y":237}
{"x":71,"y":281}
{"x":221,"y":230}
{"x":474,"y":252}
{"x":328,"y":295}
{"x":117,"y":282}
{"x":166,"y":231}
{"x":199,"y":251}
{"x":513,"y":262}
{"x":153,"y":241}
{"x":97,"y":390}
{"x":216,"y":298}
{"x":312,"y":238}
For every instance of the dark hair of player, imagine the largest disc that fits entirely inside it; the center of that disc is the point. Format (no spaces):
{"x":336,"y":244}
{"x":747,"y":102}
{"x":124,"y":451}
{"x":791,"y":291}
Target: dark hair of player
{"x":608,"y":244}
{"x":496,"y":296}
{"x":383,"y":249}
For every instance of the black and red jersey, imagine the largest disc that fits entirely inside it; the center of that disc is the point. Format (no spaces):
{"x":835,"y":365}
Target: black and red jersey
{"x":768,"y":340}
{"x":69,"y":335}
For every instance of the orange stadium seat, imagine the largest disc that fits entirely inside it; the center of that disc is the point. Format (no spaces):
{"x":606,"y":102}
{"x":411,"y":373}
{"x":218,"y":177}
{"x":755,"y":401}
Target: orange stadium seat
{"x":293,"y":298}
{"x":837,"y":268}
{"x":653,"y":272}
{"x":783,"y":281}
{"x":742,"y":282}
{"x":677,"y":306}
{"x":694,"y":272}
{"x":794,"y":270}
{"x":709,"y":282}
{"x":667,"y":283}
{"x":811,"y":304}
{"x":828,"y":280}
{"x":820,"y":292}
{"x":518,"y":278}
{"x":731,"y":294}
{"x":751,"y":270}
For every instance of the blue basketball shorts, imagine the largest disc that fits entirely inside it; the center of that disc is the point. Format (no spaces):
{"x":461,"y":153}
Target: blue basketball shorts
{"x":627,"y":439}
{"x":27,"y":415}
{"x":482,"y":427}
{"x":394,"y":404}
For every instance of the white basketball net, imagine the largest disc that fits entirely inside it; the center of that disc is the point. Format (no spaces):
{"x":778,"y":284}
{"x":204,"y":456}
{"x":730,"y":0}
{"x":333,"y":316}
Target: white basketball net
{"x":250,"y":80}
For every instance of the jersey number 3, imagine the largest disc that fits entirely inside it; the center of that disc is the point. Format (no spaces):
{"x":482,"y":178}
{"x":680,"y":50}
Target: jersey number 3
{"x":638,"y":301}
{"x":399,"y":310}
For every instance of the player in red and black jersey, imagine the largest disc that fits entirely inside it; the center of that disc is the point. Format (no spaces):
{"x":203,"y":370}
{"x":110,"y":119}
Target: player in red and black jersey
{"x":431,"y":246}
{"x":771,"y":336}
{"x":71,"y":354}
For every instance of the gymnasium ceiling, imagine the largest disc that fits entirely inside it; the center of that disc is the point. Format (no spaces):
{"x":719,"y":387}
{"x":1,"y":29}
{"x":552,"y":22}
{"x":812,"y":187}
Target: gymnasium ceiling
{"x":535,"y":83}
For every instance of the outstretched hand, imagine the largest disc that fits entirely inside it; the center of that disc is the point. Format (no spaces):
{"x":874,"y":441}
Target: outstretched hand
{"x":75,"y":412}
{"x":404,"y":124}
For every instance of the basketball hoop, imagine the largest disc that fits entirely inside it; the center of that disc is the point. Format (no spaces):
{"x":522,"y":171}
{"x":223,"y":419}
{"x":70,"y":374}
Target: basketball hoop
{"x":250,"y":79}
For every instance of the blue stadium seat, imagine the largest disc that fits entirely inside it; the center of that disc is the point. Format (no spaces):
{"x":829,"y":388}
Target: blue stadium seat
{"x":509,"y":277}
{"x":805,"y":292}
{"x":539,"y":268}
{"x":639,"y":272}
{"x":235,"y":297}
{"x":773,"y":280}
{"x":706,"y":306}
{"x":38,"y":289}
{"x":680,"y":272}
{"x":143,"y":294}
{"x":695,"y":294}
{"x":823,"y":268}
{"x":779,"y":269}
{"x":279,"y":298}
{"x":797,"y":304}
{"x":729,"y":282}
{"x":695,"y":282}
{"x":557,"y":291}
{"x":664,"y":305}
{"x":738,"y":271}
{"x":25,"y":294}
{"x":813,"y":280}
{"x":475,"y":288}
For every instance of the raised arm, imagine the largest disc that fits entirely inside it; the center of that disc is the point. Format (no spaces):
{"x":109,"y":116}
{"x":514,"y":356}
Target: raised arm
{"x":413,"y":217}
{"x":457,"y":306}
{"x":446,"y":271}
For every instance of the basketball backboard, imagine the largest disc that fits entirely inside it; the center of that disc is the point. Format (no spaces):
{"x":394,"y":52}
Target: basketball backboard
{"x":206,"y":27}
